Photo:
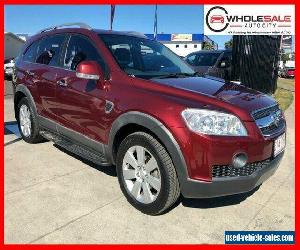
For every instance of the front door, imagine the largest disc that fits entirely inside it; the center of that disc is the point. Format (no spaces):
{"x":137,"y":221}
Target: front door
{"x":80,"y":102}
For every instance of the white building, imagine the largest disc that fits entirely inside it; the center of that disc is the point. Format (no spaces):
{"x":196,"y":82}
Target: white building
{"x":183,"y":44}
{"x":12,"y":45}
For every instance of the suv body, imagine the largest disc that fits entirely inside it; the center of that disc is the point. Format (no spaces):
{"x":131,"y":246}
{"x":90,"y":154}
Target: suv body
{"x":72,"y":87}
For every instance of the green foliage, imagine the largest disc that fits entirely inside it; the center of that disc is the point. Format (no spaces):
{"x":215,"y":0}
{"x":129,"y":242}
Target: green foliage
{"x":208,"y":46}
{"x":285,"y":57}
{"x":228,"y":44}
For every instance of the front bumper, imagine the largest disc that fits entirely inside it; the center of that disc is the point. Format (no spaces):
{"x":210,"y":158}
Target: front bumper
{"x":229,"y":185}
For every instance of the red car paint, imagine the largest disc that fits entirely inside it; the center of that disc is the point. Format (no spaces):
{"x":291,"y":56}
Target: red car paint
{"x":291,"y":72}
{"x":83,"y":111}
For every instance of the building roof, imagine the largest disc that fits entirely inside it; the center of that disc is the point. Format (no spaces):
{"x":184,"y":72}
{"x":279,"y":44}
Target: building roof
{"x":177,"y":37}
{"x":14,"y":36}
{"x":181,"y":38}
{"x":124,"y":33}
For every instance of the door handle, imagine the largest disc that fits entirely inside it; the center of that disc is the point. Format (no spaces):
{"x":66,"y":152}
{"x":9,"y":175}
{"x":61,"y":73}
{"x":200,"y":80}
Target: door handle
{"x":62,"y":83}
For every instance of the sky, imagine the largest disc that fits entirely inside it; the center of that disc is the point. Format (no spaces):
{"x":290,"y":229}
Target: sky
{"x":29,"y":19}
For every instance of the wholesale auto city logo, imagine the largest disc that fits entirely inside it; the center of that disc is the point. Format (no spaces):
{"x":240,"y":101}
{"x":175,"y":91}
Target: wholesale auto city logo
{"x":249,"y":20}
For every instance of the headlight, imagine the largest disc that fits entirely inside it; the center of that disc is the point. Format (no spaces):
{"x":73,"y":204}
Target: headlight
{"x":213,"y":122}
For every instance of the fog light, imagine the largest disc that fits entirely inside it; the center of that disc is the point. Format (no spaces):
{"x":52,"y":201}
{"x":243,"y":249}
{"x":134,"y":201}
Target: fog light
{"x":239,"y":160}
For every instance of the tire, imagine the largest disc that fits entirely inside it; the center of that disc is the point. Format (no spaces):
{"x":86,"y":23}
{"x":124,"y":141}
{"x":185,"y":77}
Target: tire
{"x":32,"y":133}
{"x":152,"y":198}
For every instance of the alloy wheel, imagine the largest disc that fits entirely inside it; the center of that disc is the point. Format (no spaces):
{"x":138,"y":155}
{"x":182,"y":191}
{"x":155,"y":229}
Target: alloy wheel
{"x":25,"y":121}
{"x":141,"y":174}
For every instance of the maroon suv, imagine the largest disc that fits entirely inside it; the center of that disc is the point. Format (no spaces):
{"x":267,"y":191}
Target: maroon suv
{"x":118,"y":98}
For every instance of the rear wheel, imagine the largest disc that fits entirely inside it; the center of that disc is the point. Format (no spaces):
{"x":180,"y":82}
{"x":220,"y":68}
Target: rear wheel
{"x":27,"y":121}
{"x":146,"y":174}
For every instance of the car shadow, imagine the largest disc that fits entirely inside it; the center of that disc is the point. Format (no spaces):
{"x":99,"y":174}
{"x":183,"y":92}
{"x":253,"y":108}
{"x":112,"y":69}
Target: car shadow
{"x":206,"y":203}
{"x":109,"y":170}
{"x":217,"y":201}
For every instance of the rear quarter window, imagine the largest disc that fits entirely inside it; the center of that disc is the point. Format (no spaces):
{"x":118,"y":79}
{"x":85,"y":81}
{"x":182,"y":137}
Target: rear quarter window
{"x":49,"y":50}
{"x":30,"y":53}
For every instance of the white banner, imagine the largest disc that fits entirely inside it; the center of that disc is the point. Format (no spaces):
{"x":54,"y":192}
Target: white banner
{"x":249,"y":19}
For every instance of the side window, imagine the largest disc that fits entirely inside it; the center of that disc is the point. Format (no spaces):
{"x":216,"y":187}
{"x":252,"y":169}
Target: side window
{"x":49,"y":50}
{"x":30,"y":53}
{"x":80,"y":49}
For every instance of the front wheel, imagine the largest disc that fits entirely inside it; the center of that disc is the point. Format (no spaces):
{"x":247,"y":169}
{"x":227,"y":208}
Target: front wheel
{"x":146,"y":174}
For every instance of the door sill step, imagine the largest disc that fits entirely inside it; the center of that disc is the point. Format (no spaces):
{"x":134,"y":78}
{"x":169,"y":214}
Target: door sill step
{"x":82,"y":151}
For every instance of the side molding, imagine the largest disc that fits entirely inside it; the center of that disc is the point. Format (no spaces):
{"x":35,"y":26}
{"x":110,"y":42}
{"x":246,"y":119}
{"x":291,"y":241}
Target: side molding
{"x":151,"y":123}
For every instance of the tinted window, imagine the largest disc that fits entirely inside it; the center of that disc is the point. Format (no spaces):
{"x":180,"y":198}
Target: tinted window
{"x":81,"y":49}
{"x":30,"y":53}
{"x":191,"y":59}
{"x":49,"y":50}
{"x":206,"y":59}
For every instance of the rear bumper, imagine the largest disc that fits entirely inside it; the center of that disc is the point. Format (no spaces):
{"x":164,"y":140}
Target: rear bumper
{"x":229,"y":185}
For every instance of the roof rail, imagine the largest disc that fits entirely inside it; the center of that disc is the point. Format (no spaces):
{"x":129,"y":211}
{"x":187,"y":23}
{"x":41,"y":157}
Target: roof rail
{"x":80,"y":25}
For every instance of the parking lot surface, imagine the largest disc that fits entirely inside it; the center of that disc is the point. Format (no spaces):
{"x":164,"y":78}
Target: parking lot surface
{"x":54,"y":197}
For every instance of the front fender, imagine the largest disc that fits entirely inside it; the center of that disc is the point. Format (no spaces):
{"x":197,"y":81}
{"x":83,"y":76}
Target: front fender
{"x":163,"y":133}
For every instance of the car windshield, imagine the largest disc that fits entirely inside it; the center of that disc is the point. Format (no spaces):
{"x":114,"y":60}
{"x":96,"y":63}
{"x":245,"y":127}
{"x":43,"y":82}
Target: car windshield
{"x":207,"y":59}
{"x":145,"y":58}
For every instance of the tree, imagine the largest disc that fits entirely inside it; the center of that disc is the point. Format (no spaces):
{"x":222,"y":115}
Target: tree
{"x":285,"y":57}
{"x":228,"y":44}
{"x":208,"y":46}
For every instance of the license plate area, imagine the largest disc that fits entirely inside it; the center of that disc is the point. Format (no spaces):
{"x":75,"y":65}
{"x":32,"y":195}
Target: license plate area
{"x":279,"y":145}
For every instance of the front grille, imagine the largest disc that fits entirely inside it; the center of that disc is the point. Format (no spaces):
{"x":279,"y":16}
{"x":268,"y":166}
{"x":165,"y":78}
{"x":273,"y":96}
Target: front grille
{"x":269,"y":120}
{"x":257,"y":114}
{"x":230,"y":171}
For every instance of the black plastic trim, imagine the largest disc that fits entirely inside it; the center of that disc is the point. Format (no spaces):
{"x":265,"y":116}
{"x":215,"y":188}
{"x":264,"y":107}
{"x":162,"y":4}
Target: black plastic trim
{"x":23,"y":89}
{"x":228,"y":186}
{"x":73,"y":136}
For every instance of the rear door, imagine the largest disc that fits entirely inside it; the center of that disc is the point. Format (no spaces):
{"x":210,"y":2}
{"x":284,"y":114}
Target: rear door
{"x":47,"y":63}
{"x":26,"y":70}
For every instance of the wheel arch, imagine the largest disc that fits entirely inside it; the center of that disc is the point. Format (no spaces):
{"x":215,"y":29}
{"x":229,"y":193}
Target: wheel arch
{"x":23,"y":91}
{"x":137,"y":121}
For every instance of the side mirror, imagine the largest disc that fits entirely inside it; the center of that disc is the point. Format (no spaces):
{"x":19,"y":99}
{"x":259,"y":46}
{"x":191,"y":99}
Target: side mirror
{"x":90,"y":70}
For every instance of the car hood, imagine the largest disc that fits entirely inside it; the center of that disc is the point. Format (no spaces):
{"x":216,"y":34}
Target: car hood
{"x":235,"y":94}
